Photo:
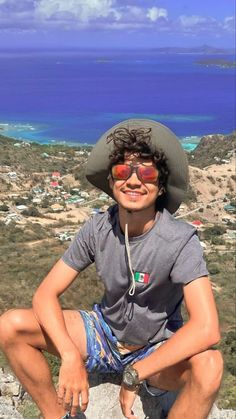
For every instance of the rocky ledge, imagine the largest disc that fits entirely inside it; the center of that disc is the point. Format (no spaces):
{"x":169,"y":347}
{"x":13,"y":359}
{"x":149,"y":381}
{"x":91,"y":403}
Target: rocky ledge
{"x":104,"y":404}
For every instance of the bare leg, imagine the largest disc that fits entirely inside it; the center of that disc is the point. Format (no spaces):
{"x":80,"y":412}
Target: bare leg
{"x":198,"y":378}
{"x":22,"y":340}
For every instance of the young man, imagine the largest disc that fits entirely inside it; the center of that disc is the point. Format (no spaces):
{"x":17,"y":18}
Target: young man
{"x":148,"y":262}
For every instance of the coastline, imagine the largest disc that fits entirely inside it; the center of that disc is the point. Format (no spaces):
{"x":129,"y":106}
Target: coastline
{"x":24,"y":132}
{"x":17,"y":132}
{"x":38,"y":133}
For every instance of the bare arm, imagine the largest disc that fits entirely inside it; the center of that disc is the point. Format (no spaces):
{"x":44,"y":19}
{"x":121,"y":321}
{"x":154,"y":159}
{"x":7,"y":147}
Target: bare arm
{"x":199,"y":333}
{"x":47,"y":308}
{"x":73,"y":382}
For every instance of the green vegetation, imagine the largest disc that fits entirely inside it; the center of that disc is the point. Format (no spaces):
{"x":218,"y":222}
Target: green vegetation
{"x":22,"y":267}
{"x":211,"y":147}
{"x":222,"y":271}
{"x":29,"y":251}
{"x":217,"y":63}
{"x":213,"y":234}
{"x":31,"y":159}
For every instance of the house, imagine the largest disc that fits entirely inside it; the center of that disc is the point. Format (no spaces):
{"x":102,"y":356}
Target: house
{"x":231,"y":234}
{"x":66,"y":236}
{"x":103,"y":196}
{"x":12,"y":175}
{"x":79,"y":153}
{"x":21,"y":207}
{"x":197,"y":223}
{"x":74,"y":199}
{"x":57,"y":208}
{"x":230,"y":208}
{"x":37,"y":190}
{"x":56,"y":175}
{"x":96,"y":211}
{"x":12,"y":217}
{"x":54,"y":184}
{"x":37,"y":200}
{"x":75,"y":190}
{"x":84,"y":194}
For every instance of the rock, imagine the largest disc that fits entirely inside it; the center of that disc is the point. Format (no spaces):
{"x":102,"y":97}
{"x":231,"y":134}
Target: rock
{"x":104,"y":400}
{"x":8,"y":411}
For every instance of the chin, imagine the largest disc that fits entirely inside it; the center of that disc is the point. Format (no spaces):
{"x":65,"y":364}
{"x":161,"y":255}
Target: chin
{"x":132,"y":207}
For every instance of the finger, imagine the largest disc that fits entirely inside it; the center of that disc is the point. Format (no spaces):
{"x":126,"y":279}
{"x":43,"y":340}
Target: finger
{"x":60,"y":394}
{"x":132,"y":416}
{"x":67,"y":399}
{"x":128,"y":413}
{"x":75,"y":404}
{"x":84,"y":400}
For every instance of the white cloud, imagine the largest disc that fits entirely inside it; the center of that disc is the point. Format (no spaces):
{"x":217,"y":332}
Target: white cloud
{"x":83,"y":11}
{"x":189,"y":21}
{"x":154,"y":14}
{"x":135,"y":11}
{"x":105,"y":15}
{"x":196,"y":24}
{"x":229,"y":23}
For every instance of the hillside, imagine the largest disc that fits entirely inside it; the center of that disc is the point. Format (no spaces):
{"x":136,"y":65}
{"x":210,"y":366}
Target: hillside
{"x":213,"y":149}
{"x":37,"y":237}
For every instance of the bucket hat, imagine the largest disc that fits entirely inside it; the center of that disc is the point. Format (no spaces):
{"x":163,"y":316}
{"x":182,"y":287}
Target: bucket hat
{"x":163,"y":138}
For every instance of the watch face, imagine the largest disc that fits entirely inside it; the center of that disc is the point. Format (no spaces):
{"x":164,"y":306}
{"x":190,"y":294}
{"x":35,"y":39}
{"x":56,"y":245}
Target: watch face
{"x":129,"y":379}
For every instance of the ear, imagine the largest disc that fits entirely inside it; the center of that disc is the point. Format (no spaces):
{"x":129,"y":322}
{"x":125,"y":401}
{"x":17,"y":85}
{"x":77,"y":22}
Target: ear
{"x":161,"y":191}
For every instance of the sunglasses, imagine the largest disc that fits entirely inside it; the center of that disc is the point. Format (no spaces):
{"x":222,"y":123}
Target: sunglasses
{"x":144,"y":173}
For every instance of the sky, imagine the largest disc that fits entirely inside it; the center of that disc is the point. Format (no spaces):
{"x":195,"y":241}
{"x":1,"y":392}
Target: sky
{"x":116,"y":23}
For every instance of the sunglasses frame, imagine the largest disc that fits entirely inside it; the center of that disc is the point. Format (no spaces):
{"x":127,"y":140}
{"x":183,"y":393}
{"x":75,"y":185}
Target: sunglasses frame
{"x":134,"y":168}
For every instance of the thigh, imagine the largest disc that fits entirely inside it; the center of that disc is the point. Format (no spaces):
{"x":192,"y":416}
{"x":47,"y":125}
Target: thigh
{"x":172,"y":378}
{"x":24,"y":324}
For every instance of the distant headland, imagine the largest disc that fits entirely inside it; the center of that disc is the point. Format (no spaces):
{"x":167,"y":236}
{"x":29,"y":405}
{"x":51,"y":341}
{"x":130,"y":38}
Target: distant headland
{"x":203,"y":49}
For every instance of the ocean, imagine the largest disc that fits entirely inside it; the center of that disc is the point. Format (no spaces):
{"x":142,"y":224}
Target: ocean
{"x":75,"y":96}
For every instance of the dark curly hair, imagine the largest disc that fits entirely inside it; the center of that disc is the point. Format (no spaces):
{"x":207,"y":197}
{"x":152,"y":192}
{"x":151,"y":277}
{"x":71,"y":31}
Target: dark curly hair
{"x":138,"y":141}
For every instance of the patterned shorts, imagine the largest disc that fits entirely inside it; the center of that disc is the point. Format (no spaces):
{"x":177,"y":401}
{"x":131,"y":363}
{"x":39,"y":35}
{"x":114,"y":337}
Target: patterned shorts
{"x":102,"y":349}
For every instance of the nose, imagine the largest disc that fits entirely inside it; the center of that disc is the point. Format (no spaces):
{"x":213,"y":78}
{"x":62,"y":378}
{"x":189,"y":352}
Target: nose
{"x":133,"y":180}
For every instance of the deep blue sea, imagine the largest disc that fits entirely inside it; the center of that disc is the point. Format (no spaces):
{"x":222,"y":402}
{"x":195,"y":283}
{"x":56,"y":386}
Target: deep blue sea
{"x":74,"y":96}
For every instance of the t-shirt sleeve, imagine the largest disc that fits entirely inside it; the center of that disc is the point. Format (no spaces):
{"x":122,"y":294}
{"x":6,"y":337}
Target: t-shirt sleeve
{"x":81,"y":251}
{"x":190,"y":263}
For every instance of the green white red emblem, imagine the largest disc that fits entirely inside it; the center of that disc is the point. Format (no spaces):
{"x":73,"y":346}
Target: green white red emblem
{"x":141,"y":277}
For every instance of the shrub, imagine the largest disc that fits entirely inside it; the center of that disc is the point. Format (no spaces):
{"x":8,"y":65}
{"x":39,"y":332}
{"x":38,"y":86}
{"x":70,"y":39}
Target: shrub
{"x":211,"y":179}
{"x":213,"y":268}
{"x":4,"y":208}
{"x":31,"y":212}
{"x":216,"y":230}
{"x":228,"y":345}
{"x":217,"y":241}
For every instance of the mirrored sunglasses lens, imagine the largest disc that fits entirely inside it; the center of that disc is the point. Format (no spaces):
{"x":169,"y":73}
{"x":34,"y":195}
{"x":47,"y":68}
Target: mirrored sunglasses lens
{"x":148,"y":174}
{"x":121,"y":171}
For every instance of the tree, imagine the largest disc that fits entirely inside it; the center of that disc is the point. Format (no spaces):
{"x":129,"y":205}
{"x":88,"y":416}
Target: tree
{"x":31,"y":212}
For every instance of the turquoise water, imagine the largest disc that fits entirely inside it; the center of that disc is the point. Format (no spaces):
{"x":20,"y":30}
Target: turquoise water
{"x":74,"y":97}
{"x":34,"y":133}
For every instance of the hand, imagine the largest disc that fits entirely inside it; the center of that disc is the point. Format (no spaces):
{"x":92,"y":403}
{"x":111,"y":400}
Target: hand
{"x":73,"y":387}
{"x":127,"y":398}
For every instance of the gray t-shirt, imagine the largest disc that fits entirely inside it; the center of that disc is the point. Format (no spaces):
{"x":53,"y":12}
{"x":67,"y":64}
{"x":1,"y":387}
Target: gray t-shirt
{"x":164,"y":259}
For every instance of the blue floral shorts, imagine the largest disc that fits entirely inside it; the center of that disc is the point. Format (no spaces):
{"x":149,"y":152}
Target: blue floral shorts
{"x":102,"y":345}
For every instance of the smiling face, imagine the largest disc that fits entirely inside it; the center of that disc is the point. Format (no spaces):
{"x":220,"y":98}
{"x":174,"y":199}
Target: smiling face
{"x":133,"y":194}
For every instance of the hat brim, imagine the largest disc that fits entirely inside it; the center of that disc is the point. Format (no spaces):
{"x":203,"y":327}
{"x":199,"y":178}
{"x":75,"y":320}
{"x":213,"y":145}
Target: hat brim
{"x":163,"y":138}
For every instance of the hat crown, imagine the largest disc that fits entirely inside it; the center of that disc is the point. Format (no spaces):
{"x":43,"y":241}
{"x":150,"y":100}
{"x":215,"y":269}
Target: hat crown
{"x":161,"y":137}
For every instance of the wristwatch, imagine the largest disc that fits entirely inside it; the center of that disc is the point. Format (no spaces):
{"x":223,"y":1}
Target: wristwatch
{"x":130,"y":378}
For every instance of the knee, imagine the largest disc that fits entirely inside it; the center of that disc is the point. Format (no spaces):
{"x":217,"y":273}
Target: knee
{"x":12,"y":323}
{"x":207,"y":371}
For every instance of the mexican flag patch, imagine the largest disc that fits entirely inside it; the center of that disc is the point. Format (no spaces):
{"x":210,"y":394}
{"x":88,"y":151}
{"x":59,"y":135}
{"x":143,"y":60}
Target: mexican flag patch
{"x":141,"y":277}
